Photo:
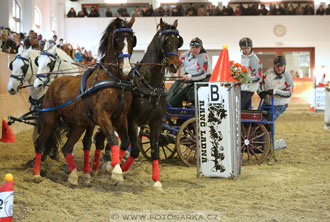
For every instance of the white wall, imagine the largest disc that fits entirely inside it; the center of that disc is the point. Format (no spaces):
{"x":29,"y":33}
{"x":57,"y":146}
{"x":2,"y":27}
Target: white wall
{"x":301,"y":31}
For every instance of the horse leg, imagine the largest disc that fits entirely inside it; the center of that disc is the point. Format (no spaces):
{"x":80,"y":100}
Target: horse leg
{"x":73,"y":137}
{"x":135,"y":146}
{"x":87,"y":142}
{"x":155,"y":130}
{"x":47,"y":124}
{"x":99,"y":144}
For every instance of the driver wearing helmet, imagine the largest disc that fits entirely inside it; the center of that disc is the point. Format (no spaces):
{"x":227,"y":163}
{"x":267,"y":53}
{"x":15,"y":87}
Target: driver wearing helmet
{"x":252,"y":63}
{"x":195,"y":67}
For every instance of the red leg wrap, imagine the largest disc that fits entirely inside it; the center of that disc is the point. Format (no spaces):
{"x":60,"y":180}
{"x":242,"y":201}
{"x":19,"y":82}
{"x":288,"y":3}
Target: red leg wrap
{"x":127,"y":164}
{"x":36,"y":169}
{"x":70,"y":161}
{"x":96,"y":162}
{"x":115,"y":155}
{"x":155,"y":170}
{"x":86,"y":161}
{"x":121,"y":154}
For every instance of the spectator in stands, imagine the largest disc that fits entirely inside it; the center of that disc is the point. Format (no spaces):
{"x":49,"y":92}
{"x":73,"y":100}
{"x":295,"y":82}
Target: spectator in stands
{"x":15,"y":38}
{"x":202,"y":11}
{"x":80,"y":14}
{"x":94,"y":12}
{"x":180,"y":9}
{"x":237,"y":11}
{"x":224,"y":11}
{"x":327,"y":11}
{"x":280,"y":10}
{"x":242,"y":9}
{"x":263,"y":10}
{"x":144,"y":11}
{"x":230,"y":10}
{"x":84,"y":10}
{"x":108,"y":12}
{"x":320,"y":10}
{"x":251,"y":10}
{"x":175,"y":12}
{"x":191,"y":11}
{"x":61,"y":44}
{"x":72,"y":13}
{"x":278,"y":83}
{"x":299,"y":10}
{"x":33,"y":39}
{"x":78,"y":55}
{"x":137,"y":12}
{"x":166,"y":12}
{"x":213,"y":11}
{"x":252,"y":63}
{"x":41,"y":44}
{"x":122,"y":11}
{"x":157,"y":12}
{"x":55,"y":39}
{"x":289,"y":10}
{"x":150,"y":10}
{"x":8,"y":45}
{"x":272,"y":9}
{"x":309,"y":9}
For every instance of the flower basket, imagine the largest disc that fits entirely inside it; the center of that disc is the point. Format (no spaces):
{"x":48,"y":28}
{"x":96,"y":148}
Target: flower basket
{"x":240,"y":73}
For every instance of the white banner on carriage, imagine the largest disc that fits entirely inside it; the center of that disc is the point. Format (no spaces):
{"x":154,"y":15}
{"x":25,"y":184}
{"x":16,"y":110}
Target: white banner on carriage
{"x":215,"y":142}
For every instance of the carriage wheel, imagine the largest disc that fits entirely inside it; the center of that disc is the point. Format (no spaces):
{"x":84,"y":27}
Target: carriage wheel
{"x":255,"y":143}
{"x":166,"y":144}
{"x":186,"y":142}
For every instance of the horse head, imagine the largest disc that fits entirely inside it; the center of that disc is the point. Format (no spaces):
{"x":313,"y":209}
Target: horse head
{"x":22,"y":69}
{"x":116,"y":45}
{"x":169,"y":42}
{"x":46,"y":64}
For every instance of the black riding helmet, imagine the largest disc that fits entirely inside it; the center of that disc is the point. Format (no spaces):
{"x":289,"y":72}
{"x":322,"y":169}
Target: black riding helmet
{"x":279,"y":61}
{"x":245,"y":42}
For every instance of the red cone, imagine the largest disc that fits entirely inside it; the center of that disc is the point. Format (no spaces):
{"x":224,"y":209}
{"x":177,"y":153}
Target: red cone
{"x":221,"y":72}
{"x":322,"y":81}
{"x":7,"y":199}
{"x":7,"y":133}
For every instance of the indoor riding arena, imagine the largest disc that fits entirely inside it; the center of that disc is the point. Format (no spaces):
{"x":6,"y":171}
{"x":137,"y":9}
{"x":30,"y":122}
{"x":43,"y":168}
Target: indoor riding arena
{"x":72,"y":104}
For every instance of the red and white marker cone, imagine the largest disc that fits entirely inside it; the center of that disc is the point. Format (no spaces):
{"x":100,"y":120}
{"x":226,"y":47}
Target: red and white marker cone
{"x":7,"y":199}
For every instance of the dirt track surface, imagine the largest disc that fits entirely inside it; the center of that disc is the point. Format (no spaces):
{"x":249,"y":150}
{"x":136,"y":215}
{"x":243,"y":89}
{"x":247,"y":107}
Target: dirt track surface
{"x":295,"y":188}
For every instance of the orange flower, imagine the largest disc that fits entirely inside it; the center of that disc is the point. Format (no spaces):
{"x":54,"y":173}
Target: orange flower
{"x":244,"y":70}
{"x":237,"y":65}
{"x":231,"y":62}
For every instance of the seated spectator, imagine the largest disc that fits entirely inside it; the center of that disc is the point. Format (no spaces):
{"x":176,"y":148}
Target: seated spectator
{"x":320,"y":10}
{"x":263,"y":10}
{"x":191,"y":11}
{"x":212,"y":11}
{"x":108,"y":12}
{"x":144,"y":11}
{"x":280,"y":10}
{"x":150,"y":10}
{"x":242,"y":9}
{"x":327,"y":11}
{"x":72,"y":13}
{"x":166,"y":12}
{"x":122,"y":11}
{"x":41,"y":45}
{"x":85,"y":12}
{"x":237,"y":11}
{"x":180,"y":9}
{"x":175,"y":12}
{"x":156,"y":12}
{"x":33,"y":39}
{"x":230,"y":10}
{"x":289,"y":10}
{"x":299,"y":10}
{"x":224,"y":11}
{"x":309,"y":9}
{"x":94,"y":13}
{"x":137,"y":12}
{"x":80,"y":14}
{"x":8,"y":45}
{"x":201,"y":11}
{"x":15,"y":38}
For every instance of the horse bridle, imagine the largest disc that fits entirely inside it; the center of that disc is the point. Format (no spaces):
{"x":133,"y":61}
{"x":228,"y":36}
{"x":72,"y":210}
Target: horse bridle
{"x":53,"y":59}
{"x":162,"y":36}
{"x":25,"y":68}
{"x":120,"y":56}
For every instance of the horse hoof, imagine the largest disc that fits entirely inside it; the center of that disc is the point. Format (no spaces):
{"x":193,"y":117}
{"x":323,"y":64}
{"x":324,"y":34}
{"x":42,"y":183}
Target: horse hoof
{"x":73,"y":177}
{"x":37,"y":178}
{"x":93,"y":173}
{"x":107,"y":167}
{"x":117,"y":174}
{"x":157,"y":186}
{"x":85,"y":178}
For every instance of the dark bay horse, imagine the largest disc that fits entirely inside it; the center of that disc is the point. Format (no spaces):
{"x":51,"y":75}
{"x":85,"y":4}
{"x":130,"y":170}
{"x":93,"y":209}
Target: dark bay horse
{"x":149,"y":97}
{"x":101,"y":98}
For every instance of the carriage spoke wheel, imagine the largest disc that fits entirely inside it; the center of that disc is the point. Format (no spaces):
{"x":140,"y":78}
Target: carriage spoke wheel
{"x":166,"y":144}
{"x":186,"y":142}
{"x":255,"y":143}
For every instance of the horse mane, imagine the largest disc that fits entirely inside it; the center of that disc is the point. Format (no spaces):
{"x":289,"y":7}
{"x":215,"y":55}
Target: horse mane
{"x":106,"y":35}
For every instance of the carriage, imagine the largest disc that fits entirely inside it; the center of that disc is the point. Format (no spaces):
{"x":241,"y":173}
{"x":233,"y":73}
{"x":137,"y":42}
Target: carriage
{"x":179,"y":135}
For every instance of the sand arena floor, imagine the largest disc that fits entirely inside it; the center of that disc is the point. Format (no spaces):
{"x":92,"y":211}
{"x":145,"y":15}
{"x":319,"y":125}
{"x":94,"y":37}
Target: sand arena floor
{"x":295,"y":188}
